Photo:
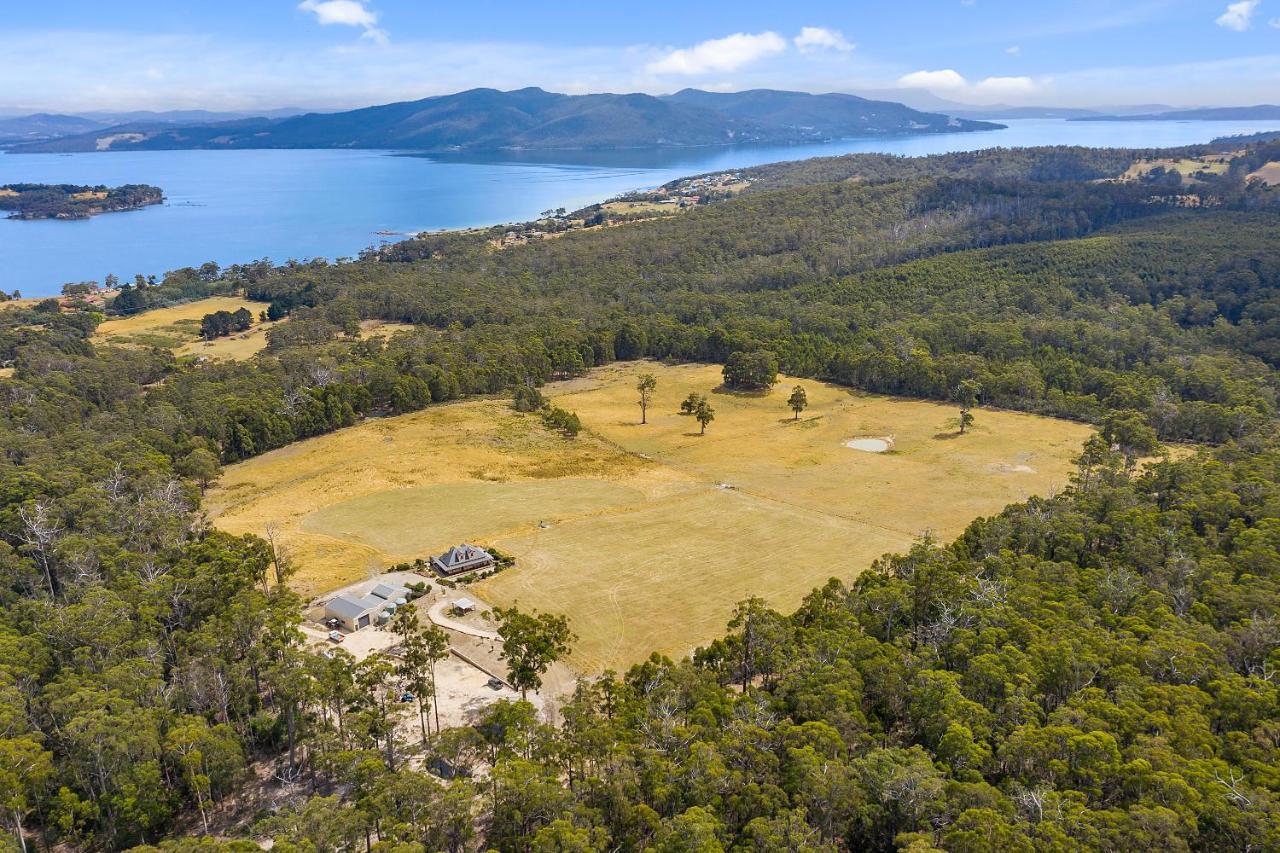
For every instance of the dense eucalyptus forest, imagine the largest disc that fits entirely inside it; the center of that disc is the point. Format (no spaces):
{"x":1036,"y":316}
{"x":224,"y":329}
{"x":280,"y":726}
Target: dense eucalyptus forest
{"x":1098,"y":669}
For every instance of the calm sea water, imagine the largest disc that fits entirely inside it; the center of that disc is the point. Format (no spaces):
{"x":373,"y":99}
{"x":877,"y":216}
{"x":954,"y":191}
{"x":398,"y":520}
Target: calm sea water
{"x":238,"y":206}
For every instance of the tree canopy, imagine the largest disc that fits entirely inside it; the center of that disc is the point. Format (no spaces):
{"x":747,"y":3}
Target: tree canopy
{"x":1095,"y":669}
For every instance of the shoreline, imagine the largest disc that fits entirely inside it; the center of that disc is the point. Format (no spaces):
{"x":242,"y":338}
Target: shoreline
{"x":486,"y":195}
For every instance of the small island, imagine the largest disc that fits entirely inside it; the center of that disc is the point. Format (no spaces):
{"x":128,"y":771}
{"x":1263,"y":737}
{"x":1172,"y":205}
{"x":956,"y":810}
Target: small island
{"x":68,"y":201}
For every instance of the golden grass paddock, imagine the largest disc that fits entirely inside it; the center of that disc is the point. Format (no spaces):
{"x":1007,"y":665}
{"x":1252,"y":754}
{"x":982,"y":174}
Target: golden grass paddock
{"x":1212,"y":164}
{"x":1268,"y":173}
{"x":178,"y":328}
{"x":645,"y":536}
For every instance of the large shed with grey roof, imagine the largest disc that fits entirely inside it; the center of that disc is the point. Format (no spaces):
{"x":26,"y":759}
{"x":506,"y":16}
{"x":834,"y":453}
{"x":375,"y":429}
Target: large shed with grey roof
{"x":354,"y":613}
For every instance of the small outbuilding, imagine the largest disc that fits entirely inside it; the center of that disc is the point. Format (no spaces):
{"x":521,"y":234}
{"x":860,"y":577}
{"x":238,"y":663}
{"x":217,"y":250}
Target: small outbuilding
{"x":394,"y":594}
{"x":463,"y":605}
{"x":354,"y":613}
{"x":462,"y":558}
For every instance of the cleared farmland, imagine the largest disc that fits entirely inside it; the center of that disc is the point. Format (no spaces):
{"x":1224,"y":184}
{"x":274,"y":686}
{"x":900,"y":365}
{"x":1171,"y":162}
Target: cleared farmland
{"x":645,"y":536}
{"x":1268,"y":173}
{"x":178,"y":328}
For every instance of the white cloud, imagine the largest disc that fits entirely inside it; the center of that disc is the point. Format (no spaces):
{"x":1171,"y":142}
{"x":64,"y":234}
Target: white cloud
{"x":947,"y":79}
{"x":820,"y":38}
{"x":1239,"y":16}
{"x":1005,"y":86}
{"x":1013,"y":50}
{"x":1274,"y":22}
{"x":347,"y":13}
{"x":724,"y":54}
{"x":952,"y":83}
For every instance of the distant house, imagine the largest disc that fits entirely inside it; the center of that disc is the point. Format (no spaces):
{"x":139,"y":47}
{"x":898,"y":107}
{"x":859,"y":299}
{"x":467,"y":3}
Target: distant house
{"x":353,"y":612}
{"x":462,"y":558}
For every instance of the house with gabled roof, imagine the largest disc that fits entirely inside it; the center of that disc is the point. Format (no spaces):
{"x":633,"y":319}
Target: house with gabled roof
{"x":462,"y":558}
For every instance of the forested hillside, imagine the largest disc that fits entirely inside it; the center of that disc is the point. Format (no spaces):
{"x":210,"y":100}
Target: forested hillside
{"x":1094,"y":670}
{"x":532,"y":119}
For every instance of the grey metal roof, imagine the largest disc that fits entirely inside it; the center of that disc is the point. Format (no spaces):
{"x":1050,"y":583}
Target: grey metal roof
{"x":389,"y":592}
{"x":346,"y":607}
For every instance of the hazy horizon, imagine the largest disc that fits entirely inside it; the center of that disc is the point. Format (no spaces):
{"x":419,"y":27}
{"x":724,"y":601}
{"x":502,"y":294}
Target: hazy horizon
{"x":329,"y":55}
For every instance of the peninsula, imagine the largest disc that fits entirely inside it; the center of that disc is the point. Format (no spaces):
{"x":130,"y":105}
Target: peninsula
{"x":69,"y":201}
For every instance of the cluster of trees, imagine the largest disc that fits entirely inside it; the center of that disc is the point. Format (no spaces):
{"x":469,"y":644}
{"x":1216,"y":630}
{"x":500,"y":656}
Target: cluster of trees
{"x":222,"y":323}
{"x":561,"y":420}
{"x":1092,"y":670}
{"x":700,"y":409}
{"x":751,"y":371}
{"x":527,"y":398}
{"x":180,"y":285}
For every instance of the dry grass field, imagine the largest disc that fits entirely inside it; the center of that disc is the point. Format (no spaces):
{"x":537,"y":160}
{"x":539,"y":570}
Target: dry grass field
{"x":650,"y":207}
{"x":1216,"y":164}
{"x":645,"y":536}
{"x":383,"y":328}
{"x":178,"y":328}
{"x":1269,"y":174}
{"x":364,"y":481}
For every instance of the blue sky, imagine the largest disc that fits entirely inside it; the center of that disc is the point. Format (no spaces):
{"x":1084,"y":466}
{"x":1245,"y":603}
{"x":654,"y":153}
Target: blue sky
{"x":324,"y":54}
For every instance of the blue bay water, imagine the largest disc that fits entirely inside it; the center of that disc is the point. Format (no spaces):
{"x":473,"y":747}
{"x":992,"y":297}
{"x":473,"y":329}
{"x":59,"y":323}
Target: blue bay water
{"x":239,"y":206}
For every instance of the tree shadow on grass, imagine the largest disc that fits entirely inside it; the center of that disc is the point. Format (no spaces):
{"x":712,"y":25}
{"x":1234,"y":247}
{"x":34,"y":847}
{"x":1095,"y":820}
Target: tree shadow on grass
{"x":946,"y":436}
{"x":741,"y":392}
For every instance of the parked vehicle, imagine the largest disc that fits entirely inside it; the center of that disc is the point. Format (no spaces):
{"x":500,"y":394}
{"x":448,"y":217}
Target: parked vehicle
{"x":336,"y":636}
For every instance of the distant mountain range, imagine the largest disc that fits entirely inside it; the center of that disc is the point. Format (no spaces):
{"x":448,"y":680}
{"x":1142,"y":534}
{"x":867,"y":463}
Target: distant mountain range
{"x":488,"y":119}
{"x":43,"y":126}
{"x":1260,"y":112}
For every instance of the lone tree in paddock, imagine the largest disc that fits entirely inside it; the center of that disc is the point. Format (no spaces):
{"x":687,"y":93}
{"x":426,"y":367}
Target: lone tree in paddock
{"x":798,"y":401}
{"x":646,"y":386}
{"x":531,"y":642}
{"x":704,"y":414}
{"x":966,"y":395}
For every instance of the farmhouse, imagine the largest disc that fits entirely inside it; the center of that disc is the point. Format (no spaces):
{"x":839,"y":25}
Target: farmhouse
{"x":355,"y":613}
{"x":462,"y":558}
